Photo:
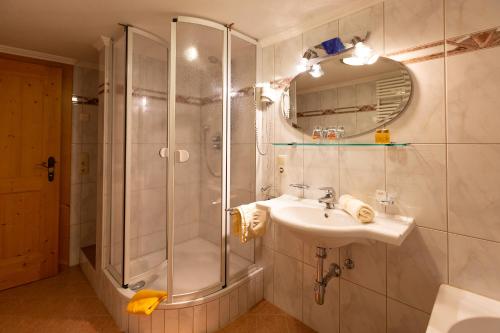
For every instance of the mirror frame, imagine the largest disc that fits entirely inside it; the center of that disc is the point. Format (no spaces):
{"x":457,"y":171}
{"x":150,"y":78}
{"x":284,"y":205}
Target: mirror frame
{"x":340,"y":56}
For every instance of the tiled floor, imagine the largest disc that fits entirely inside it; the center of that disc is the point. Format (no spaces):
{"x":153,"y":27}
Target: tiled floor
{"x":65,"y":303}
{"x":266,"y":318}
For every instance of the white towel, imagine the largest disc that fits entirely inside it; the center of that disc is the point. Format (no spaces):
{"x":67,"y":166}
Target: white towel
{"x":358,"y":209}
{"x":248,"y":222}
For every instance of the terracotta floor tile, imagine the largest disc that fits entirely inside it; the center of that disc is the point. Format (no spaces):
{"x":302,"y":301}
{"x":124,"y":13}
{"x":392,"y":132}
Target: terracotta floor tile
{"x":64,"y":303}
{"x":266,"y":318}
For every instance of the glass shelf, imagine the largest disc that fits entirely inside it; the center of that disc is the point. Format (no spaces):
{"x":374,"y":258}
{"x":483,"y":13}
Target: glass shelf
{"x":325,"y":144}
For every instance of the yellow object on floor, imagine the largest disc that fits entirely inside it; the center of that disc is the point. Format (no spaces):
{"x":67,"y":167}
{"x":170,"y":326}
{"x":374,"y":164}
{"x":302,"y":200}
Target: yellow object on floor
{"x":145,"y":301}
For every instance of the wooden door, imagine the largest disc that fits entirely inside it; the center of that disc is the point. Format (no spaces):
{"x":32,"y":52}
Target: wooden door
{"x":30,"y":122}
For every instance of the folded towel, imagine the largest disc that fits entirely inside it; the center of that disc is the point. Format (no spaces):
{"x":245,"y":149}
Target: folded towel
{"x":248,"y":222}
{"x":145,"y":301}
{"x":358,"y":209}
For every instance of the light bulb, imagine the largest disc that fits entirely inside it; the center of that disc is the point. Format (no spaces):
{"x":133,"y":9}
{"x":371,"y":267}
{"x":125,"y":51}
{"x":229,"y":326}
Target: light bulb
{"x":362,"y":51}
{"x":353,"y":61}
{"x":362,"y":55}
{"x":191,"y":53}
{"x":302,"y":66}
{"x":316,"y":71}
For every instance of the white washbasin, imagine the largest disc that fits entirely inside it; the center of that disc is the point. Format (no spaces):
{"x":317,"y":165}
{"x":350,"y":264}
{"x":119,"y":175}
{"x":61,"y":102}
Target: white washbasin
{"x":460,"y":311}
{"x":334,"y":227}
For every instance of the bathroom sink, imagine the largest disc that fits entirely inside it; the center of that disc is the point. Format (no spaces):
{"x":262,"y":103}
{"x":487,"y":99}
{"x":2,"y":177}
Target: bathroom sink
{"x":460,"y":311}
{"x":334,"y":227}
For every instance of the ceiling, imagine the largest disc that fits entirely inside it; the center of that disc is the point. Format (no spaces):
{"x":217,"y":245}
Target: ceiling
{"x":69,"y":28}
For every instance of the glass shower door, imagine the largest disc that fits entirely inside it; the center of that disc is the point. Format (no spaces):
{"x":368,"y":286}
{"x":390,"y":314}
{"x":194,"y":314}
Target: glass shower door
{"x":198,"y":189}
{"x":243,"y":55}
{"x":136,"y":241}
{"x":146,"y":165}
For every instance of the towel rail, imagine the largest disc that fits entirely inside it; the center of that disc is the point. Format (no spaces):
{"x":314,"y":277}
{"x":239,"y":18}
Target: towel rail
{"x":232,"y":210}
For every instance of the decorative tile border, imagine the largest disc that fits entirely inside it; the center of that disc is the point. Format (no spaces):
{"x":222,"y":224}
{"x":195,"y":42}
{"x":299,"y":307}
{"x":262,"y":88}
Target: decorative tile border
{"x":434,"y":50}
{"x":201,"y":101}
{"x":473,"y":42}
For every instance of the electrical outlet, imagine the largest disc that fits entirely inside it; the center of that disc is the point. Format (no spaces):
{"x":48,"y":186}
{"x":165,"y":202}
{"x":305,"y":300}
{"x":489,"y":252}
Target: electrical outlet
{"x":84,"y":163}
{"x":84,"y":116}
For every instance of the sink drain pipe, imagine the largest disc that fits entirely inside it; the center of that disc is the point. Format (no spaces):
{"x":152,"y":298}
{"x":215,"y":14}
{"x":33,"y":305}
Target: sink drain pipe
{"x":323,"y":279}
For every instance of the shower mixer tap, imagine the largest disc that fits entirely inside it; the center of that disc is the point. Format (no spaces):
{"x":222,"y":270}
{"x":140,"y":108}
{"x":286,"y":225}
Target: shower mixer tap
{"x":216,"y":141}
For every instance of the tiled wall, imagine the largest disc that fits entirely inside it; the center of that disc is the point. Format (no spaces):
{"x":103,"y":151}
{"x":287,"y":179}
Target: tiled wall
{"x":84,"y":148}
{"x":447,"y":179}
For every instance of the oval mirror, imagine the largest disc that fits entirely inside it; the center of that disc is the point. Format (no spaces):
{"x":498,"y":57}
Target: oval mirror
{"x":351,"y":100}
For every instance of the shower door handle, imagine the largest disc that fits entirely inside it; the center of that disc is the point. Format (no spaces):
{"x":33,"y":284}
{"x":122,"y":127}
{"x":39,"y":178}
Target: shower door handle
{"x":181,"y":156}
{"x":163,"y":152}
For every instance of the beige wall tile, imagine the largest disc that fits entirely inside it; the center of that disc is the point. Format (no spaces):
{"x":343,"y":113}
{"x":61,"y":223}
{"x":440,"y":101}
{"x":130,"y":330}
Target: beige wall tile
{"x":417,"y":268}
{"x":243,"y":298}
{"x":268,"y":63}
{"x":321,"y":318}
{"x":251,"y":292}
{"x":286,"y":57}
{"x":370,"y":265}
{"x":361,"y":310}
{"x":287,"y":242}
{"x":362,"y":172}
{"x":474,"y":265}
{"x":367,"y":20}
{"x":233,"y":304}
{"x":417,"y":175}
{"x":171,"y":321}
{"x":133,"y":324}
{"x":288,"y":284}
{"x":321,"y":168}
{"x":158,"y":321}
{"x":466,"y":16}
{"x":472,"y":82}
{"x":316,"y":36}
{"x":264,"y":257}
{"x":224,"y":311}
{"x":145,"y":324}
{"x":259,"y":287}
{"x":186,"y":318}
{"x":213,"y":316}
{"x":424,"y":119}
{"x":200,"y":318}
{"x":410,"y":23}
{"x":474,"y":198}
{"x":402,"y":318}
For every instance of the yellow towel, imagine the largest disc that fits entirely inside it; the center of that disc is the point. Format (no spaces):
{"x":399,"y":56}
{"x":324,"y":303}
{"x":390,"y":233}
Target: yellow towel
{"x":248,"y":222}
{"x":145,"y":301}
{"x":358,"y":209}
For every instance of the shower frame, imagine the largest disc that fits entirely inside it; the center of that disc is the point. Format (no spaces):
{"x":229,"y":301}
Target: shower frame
{"x":226,"y":156}
{"x":124,"y":277}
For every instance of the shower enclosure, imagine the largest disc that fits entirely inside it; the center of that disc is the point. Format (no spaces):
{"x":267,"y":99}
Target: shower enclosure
{"x":181,"y":151}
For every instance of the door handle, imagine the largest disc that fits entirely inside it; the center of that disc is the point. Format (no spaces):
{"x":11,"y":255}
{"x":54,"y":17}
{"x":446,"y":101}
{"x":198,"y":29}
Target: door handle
{"x":50,"y":165}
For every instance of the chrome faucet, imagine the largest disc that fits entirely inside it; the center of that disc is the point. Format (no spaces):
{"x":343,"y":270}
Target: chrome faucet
{"x":329,"y":198}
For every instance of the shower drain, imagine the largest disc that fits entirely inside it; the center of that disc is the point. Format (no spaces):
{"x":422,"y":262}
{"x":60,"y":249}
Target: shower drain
{"x":137,"y":285}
